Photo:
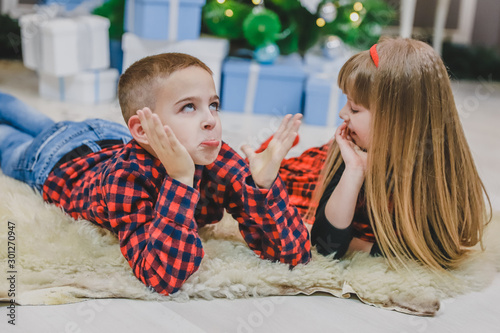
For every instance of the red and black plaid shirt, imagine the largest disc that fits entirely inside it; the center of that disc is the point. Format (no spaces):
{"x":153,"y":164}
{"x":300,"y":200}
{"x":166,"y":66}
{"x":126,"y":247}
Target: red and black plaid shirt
{"x":126,"y":190}
{"x":301,"y":175}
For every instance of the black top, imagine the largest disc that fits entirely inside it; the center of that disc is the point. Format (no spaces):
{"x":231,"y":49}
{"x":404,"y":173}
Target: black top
{"x":329,"y":239}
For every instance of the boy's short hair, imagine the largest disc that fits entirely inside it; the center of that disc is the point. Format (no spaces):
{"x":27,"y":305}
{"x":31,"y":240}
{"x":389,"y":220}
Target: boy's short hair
{"x":138,"y":85}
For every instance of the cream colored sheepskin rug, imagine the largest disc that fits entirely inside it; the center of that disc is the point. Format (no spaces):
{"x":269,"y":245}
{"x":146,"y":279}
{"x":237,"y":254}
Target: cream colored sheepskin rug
{"x":59,"y":260}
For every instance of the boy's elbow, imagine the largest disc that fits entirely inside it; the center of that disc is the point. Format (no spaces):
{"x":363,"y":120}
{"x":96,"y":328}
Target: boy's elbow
{"x":166,"y":283}
{"x":166,"y":274}
{"x":301,"y":256}
{"x":302,"y":260}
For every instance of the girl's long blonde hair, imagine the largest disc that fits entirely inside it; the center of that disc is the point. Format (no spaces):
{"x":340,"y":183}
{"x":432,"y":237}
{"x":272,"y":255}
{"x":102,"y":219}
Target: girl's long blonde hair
{"x":424,"y":197}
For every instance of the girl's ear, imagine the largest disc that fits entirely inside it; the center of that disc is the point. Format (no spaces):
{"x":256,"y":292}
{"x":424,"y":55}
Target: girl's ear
{"x":135,"y":128}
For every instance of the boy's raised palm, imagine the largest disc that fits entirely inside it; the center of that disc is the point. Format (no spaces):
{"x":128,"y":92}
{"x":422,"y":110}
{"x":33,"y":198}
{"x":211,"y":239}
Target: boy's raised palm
{"x":172,"y":154}
{"x":264,"y":166}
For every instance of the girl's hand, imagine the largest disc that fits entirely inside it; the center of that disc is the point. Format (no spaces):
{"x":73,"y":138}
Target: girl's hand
{"x":354,"y":157}
{"x":172,"y":154}
{"x":264,"y":166}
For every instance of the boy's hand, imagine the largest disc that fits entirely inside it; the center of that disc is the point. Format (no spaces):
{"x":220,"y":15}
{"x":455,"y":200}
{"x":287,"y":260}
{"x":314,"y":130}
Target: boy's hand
{"x":354,"y":157}
{"x":172,"y":154}
{"x":264,"y":166}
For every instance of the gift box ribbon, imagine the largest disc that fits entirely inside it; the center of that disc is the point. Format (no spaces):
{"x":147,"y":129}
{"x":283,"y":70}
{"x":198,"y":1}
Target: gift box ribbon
{"x":333,"y":97}
{"x":253,"y":79}
{"x":85,"y":44}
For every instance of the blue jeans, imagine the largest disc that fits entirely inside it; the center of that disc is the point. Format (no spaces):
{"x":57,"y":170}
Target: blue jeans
{"x":31,"y":143}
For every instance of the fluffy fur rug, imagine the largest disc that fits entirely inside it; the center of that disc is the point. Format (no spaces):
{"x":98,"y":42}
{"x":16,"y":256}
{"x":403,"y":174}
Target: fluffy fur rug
{"x":59,"y":260}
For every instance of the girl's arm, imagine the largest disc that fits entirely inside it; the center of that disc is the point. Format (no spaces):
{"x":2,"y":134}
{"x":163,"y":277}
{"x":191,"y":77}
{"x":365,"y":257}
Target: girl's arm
{"x":341,"y":205}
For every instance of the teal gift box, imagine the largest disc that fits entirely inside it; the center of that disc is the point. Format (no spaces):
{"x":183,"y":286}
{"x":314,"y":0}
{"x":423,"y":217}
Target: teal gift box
{"x":250,"y":87}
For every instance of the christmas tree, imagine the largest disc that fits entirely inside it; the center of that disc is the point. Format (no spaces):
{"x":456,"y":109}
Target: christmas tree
{"x":113,"y":10}
{"x":10,"y":38}
{"x":285,"y":26}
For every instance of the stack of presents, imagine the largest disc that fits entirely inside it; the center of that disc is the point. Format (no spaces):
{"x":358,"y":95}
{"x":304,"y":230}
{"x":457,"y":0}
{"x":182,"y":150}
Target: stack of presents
{"x":71,"y":54}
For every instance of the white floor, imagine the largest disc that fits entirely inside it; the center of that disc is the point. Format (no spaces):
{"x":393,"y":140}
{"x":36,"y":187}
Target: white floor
{"x":479,"y":105}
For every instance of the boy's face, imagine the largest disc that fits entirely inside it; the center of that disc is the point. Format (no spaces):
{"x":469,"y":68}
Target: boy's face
{"x":187,"y":102}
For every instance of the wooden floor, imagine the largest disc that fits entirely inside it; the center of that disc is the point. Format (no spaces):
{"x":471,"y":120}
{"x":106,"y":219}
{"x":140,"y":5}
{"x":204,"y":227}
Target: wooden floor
{"x":479,"y":105}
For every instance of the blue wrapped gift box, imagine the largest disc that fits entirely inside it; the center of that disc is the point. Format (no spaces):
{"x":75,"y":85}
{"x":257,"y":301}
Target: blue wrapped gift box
{"x":323,"y":100}
{"x":68,"y":4}
{"x":164,"y":19}
{"x":264,"y":89}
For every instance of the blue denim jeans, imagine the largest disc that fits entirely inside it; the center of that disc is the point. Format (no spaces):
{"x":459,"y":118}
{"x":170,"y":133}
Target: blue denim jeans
{"x":31,"y":143}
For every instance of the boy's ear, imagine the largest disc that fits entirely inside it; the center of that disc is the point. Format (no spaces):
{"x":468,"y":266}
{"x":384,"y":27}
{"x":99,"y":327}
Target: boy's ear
{"x":135,"y":128}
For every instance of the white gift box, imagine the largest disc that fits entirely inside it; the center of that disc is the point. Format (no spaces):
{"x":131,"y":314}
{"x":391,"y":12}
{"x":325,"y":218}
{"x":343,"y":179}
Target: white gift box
{"x":89,"y":87}
{"x":210,"y":50}
{"x":65,"y":46}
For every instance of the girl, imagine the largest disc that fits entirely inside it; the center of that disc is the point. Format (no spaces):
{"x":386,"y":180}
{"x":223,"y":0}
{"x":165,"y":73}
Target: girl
{"x":399,"y":178}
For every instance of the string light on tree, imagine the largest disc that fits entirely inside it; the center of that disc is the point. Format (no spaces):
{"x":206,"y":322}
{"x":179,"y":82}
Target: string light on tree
{"x":328,"y":12}
{"x":320,"y":22}
{"x":223,"y":18}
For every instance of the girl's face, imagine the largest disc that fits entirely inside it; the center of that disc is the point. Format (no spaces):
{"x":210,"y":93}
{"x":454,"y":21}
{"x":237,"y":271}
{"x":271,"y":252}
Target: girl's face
{"x":358,"y":120}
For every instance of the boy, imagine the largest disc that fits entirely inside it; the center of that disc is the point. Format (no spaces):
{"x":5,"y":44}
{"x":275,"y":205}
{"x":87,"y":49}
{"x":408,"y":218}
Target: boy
{"x":173,"y":177}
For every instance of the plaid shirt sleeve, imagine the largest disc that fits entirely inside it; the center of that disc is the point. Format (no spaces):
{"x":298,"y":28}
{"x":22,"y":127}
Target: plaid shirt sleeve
{"x":158,"y":237}
{"x":270,"y":225}
{"x":301,"y":175}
